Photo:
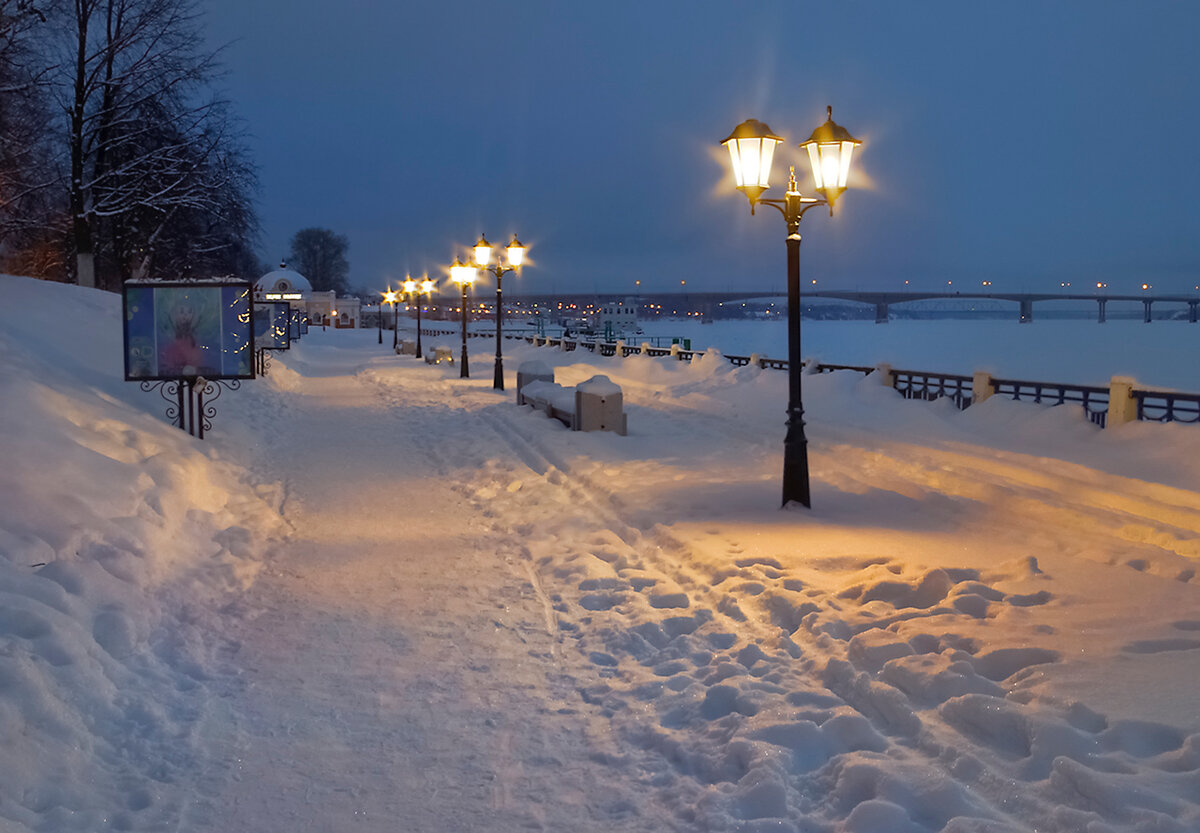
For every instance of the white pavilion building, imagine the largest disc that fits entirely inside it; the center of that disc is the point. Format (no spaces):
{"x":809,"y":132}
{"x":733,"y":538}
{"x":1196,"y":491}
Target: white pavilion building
{"x":323,"y":308}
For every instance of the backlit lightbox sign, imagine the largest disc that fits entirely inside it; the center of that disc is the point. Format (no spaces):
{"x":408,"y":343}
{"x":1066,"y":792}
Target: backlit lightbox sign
{"x":282,"y":296}
{"x":187,"y":329}
{"x":271,"y":326}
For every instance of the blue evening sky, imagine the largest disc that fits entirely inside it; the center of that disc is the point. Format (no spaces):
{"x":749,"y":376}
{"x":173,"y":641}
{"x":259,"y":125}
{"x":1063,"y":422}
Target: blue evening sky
{"x":1026,"y":143}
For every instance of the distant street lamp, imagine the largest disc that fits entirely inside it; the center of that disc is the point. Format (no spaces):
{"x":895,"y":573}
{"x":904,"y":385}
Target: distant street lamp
{"x":379,"y":318}
{"x":751,"y":150}
{"x":389,"y":297}
{"x":464,"y":276}
{"x":483,"y":257}
{"x":415,"y":291}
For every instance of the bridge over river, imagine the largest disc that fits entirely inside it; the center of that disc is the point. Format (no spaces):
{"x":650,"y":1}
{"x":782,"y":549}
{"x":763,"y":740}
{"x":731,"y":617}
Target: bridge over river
{"x":881,"y":300}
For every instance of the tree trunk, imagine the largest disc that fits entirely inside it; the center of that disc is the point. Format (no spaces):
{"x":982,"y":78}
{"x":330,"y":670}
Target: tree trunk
{"x":85,"y":265}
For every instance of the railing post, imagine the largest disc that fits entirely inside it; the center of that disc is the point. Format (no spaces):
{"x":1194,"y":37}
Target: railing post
{"x":619,"y":350}
{"x":981,"y":386}
{"x":645,"y":348}
{"x":886,"y":377}
{"x":675,"y":348}
{"x":755,"y":360}
{"x":1122,"y":406}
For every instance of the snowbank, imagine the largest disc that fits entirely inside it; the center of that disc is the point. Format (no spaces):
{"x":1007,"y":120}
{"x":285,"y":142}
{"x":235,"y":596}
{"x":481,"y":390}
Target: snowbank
{"x":120,"y":537}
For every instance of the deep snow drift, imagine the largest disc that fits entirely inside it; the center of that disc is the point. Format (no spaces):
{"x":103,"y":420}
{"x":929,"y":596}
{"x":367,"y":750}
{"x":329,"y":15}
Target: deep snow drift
{"x":380,"y":597}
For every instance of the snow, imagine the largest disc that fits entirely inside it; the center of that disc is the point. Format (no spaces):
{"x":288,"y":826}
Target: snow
{"x":381,"y":597}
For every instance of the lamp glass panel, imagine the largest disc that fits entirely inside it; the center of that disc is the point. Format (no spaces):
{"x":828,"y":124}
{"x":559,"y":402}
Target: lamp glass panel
{"x":830,"y":163}
{"x":483,"y":255}
{"x":735,"y":161}
{"x":410,"y":286}
{"x":766,"y":156}
{"x":844,"y":171}
{"x":814,"y":159}
{"x":427,"y":286}
{"x":516,"y":255}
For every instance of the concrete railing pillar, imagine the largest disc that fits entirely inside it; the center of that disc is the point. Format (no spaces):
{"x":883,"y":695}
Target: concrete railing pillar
{"x":619,"y":350}
{"x":886,"y":378}
{"x":1122,"y":407}
{"x":755,"y":360}
{"x":981,"y":386}
{"x":645,"y":348}
{"x":675,"y":348}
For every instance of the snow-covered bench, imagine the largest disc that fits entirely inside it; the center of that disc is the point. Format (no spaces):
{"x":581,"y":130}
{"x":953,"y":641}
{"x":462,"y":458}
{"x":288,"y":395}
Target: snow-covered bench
{"x":594,"y":405}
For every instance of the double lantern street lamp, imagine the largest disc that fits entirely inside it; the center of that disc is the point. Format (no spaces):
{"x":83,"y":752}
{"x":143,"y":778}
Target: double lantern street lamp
{"x":414,"y":291}
{"x":483,"y":257}
{"x":465,"y":275}
{"x":751,"y":151}
{"x":389,"y":297}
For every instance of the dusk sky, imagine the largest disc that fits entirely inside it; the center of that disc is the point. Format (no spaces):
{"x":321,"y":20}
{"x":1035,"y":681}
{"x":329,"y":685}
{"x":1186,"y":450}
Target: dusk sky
{"x":1025,"y":143}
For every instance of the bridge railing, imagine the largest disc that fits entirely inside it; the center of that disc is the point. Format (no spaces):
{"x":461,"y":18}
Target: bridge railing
{"x":1165,"y":406}
{"x":927,"y":386}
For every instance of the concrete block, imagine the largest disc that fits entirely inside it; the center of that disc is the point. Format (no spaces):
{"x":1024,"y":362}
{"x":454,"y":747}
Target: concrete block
{"x":599,"y":406}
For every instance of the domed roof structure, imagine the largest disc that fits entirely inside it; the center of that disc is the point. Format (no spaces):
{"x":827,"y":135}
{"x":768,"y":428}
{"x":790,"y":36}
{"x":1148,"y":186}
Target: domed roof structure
{"x":284,"y":279}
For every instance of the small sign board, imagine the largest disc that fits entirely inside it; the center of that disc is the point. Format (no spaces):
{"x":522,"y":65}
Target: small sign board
{"x":187,"y":329}
{"x":294,"y":325}
{"x":271,"y":322}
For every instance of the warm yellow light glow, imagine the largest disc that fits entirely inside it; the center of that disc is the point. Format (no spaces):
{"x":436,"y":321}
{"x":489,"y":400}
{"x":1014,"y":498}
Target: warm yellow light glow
{"x":462,"y":274}
{"x":389,"y":297}
{"x":483,"y":252}
{"x":830,"y":149}
{"x":516,"y":252}
{"x":751,"y":151}
{"x":410,"y":286}
{"x":427,"y":286}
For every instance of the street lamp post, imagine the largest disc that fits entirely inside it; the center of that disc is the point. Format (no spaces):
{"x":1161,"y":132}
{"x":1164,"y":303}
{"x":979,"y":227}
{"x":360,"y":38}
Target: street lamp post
{"x":751,"y":150}
{"x":463,"y":275}
{"x":389,"y":297}
{"x":379,"y":319}
{"x":483,"y":257}
{"x":415,"y":291}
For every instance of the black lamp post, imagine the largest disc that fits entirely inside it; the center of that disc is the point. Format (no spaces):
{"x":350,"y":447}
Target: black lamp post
{"x":415,"y":292}
{"x":483,"y":257}
{"x":751,"y":149}
{"x":464,"y":276}
{"x":379,"y":317}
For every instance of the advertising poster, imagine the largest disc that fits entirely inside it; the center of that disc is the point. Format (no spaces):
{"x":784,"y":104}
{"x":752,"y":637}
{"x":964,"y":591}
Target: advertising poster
{"x":271,"y":326}
{"x":177,"y":330}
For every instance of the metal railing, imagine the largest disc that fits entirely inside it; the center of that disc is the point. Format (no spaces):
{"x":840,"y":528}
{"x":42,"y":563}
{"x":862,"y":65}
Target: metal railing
{"x":1152,"y":406}
{"x":1165,"y":406}
{"x":917,"y":384}
{"x":1093,"y":399}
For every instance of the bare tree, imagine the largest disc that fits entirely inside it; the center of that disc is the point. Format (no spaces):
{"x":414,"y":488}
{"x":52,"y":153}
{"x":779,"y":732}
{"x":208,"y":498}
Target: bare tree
{"x":32,"y":212}
{"x":320,"y":255}
{"x":150,"y":149}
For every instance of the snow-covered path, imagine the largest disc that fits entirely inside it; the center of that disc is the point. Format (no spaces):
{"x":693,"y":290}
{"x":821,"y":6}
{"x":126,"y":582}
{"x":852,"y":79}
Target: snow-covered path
{"x":392,"y":670}
{"x":482,"y":621}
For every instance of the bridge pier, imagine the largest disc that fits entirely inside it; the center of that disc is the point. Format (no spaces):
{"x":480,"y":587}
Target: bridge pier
{"x":881,"y":313}
{"x":1192,"y":311}
{"x":1026,"y":311}
{"x":1146,"y":317}
{"x":1103,"y":302}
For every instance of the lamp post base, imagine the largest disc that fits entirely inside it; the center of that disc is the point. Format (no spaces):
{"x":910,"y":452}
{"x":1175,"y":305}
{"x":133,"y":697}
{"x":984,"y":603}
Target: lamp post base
{"x":498,"y":376}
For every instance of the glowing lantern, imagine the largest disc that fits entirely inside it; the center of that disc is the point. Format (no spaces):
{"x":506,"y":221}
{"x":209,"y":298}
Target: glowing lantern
{"x":829,"y":151}
{"x":751,"y":150}
{"x":483,"y":252}
{"x":516,"y":252}
{"x":462,"y":274}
